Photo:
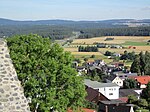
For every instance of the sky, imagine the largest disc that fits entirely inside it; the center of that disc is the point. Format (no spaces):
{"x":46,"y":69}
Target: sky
{"x":74,"y":9}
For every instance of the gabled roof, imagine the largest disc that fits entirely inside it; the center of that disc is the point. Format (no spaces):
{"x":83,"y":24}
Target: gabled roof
{"x":122,"y":73}
{"x":94,"y":96}
{"x":96,"y":85}
{"x":127,"y":92}
{"x":112,"y":77}
{"x":141,"y":79}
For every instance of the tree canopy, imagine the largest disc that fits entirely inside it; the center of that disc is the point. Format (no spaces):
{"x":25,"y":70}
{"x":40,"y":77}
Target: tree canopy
{"x":45,"y":72}
{"x":130,"y":83}
{"x":141,"y":64}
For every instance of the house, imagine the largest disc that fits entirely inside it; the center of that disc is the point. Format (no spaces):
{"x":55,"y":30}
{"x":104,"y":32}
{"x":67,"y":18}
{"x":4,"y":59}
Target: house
{"x":99,"y":62}
{"x":142,"y":80}
{"x":95,"y":63}
{"x":124,"y":93}
{"x":123,"y":75}
{"x":116,"y":55}
{"x":110,"y":90}
{"x":90,"y":63}
{"x":118,"y":64}
{"x":81,"y":69}
{"x":115,"y":106}
{"x":115,"y":79}
{"x":94,"y":96}
{"x":116,"y":46}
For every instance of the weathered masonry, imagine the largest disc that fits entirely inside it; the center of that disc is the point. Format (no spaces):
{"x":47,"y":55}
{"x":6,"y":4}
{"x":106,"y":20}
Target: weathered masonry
{"x":12,"y":97}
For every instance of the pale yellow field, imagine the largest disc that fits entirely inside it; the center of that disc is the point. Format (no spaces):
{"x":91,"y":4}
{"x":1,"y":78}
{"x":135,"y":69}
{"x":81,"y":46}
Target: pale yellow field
{"x":117,"y":39}
{"x":86,"y":53}
{"x":143,"y":48}
{"x":137,"y":50}
{"x":103,"y":50}
{"x":71,"y":49}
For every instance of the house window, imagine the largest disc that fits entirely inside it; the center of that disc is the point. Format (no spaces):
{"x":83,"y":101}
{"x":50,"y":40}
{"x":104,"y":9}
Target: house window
{"x":110,"y":93}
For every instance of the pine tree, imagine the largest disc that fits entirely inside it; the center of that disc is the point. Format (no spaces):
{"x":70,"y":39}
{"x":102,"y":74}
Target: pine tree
{"x":142,"y":63}
{"x":135,"y":66}
{"x":147,"y":65}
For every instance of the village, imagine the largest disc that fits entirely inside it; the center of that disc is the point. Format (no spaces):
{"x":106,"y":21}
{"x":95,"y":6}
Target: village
{"x":106,"y":85}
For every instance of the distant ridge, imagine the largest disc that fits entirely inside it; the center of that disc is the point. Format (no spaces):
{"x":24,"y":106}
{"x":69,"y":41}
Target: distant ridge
{"x":68,"y":22}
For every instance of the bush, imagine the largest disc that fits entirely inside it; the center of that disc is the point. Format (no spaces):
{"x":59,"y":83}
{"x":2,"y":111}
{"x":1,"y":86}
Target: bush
{"x":93,"y":56}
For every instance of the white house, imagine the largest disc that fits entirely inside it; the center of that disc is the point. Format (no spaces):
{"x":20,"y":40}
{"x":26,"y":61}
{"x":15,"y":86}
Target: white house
{"x":110,"y":90}
{"x":116,"y":80}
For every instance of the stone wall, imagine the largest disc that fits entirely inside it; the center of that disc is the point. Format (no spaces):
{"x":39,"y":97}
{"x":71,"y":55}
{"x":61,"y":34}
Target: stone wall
{"x":12,"y":97}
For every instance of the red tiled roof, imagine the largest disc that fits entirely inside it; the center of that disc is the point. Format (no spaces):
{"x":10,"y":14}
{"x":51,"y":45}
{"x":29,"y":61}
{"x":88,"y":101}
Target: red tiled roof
{"x":141,"y":79}
{"x":84,"y":110}
{"x":124,"y":99}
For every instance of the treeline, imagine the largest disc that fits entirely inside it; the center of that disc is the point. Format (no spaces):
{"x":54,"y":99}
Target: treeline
{"x":87,"y":49}
{"x":141,"y":64}
{"x":61,"y":32}
{"x":129,"y":31}
{"x":53,"y":32}
{"x":125,"y":56}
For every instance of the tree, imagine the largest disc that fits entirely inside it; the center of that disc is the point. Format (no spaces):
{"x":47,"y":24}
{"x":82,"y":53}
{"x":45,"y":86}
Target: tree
{"x":45,"y":72}
{"x":108,"y":53}
{"x":146,"y":92}
{"x":142,"y":103}
{"x":147,"y":65}
{"x":135,"y":66}
{"x":124,"y":56}
{"x":92,"y":56}
{"x":132,"y":99}
{"x":130,"y":83}
{"x":142,"y":63}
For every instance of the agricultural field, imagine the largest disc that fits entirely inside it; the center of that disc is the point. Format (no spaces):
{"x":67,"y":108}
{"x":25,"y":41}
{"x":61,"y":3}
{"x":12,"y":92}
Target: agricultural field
{"x":129,"y":44}
{"x":117,"y":40}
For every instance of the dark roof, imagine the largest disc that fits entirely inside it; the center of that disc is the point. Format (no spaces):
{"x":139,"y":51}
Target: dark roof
{"x":112,"y":102}
{"x":127,"y":92}
{"x":94,"y":96}
{"x":111,"y":78}
{"x":120,"y":108}
{"x":122,"y":73}
{"x":91,"y":94}
{"x":114,"y":107}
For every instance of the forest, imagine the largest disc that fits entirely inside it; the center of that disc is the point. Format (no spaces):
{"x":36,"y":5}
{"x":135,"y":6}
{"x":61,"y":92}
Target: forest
{"x":65,"y":31}
{"x":129,"y":31}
